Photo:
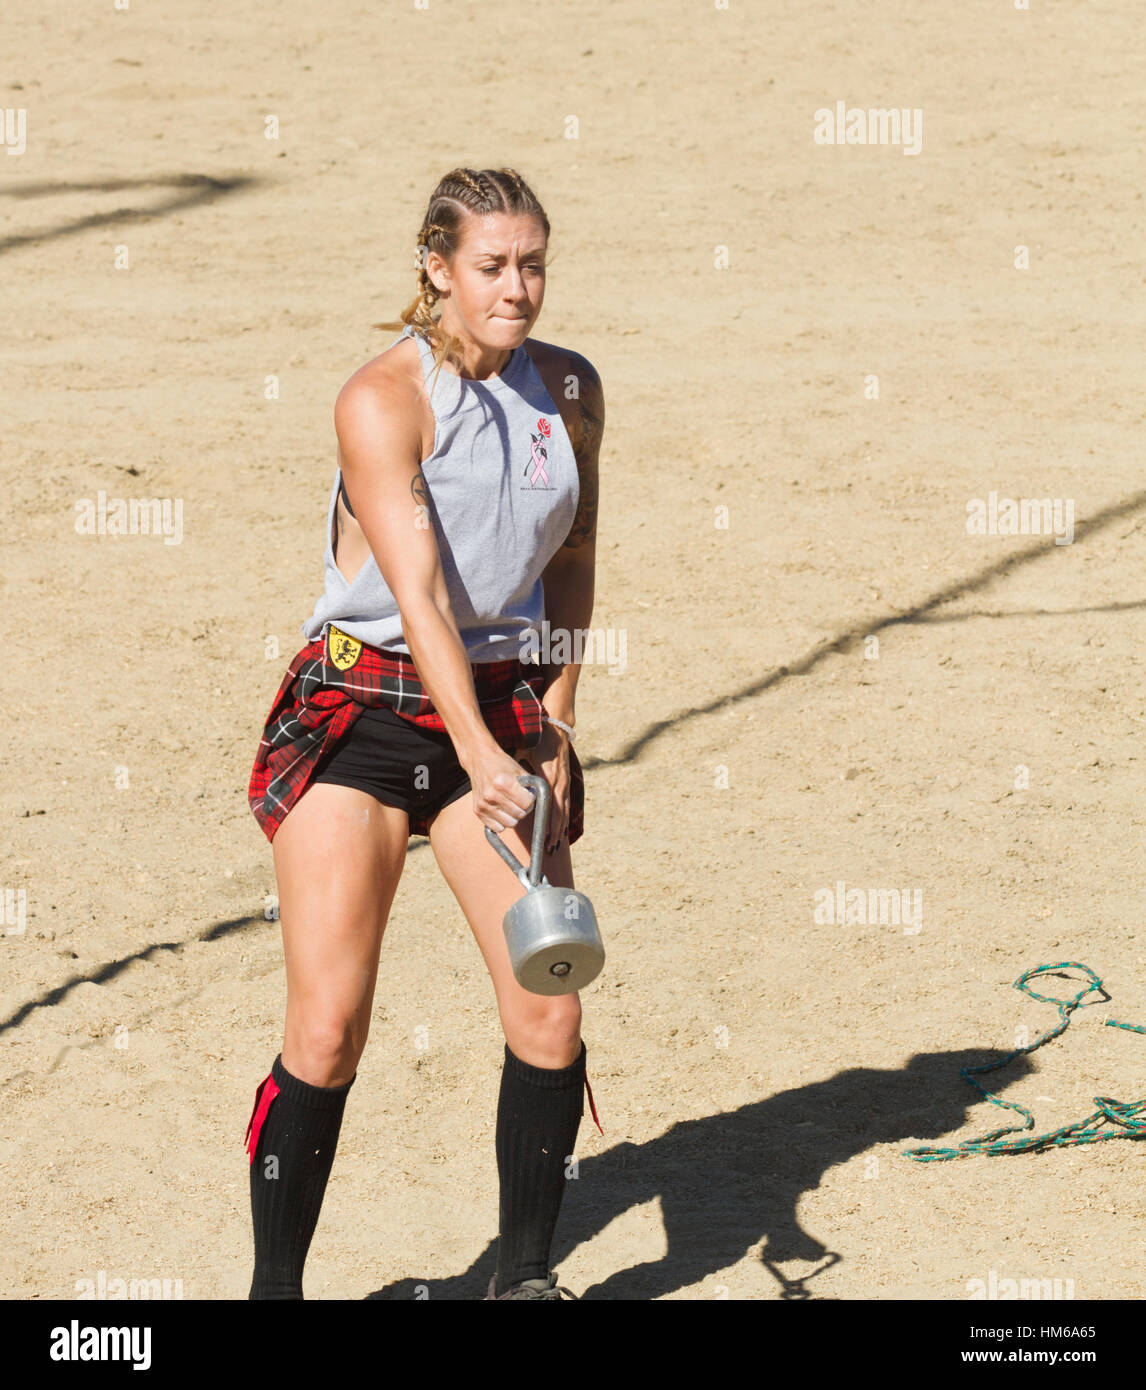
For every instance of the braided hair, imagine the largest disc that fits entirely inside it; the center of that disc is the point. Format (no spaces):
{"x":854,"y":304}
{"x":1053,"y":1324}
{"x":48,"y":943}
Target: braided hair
{"x":460,"y":194}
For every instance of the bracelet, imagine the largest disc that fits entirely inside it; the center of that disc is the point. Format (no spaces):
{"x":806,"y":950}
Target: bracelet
{"x":560,"y":724}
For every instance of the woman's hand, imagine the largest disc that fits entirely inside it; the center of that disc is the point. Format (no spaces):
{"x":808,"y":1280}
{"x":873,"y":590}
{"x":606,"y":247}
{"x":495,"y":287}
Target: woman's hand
{"x":500,"y":800}
{"x":551,"y":758}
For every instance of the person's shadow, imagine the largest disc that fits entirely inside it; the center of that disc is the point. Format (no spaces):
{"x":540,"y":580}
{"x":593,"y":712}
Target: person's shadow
{"x":728,"y":1181}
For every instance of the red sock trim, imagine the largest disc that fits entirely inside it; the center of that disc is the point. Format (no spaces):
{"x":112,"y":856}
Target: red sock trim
{"x":592,"y":1107}
{"x":267,"y":1091}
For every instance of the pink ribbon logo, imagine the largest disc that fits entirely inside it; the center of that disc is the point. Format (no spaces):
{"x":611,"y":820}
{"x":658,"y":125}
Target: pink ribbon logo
{"x":539,"y":460}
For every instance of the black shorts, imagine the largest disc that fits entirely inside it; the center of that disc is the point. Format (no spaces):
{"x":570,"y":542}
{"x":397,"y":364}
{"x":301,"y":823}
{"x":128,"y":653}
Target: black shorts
{"x":400,"y":763}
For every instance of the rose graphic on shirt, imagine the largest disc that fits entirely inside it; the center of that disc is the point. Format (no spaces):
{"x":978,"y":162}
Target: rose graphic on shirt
{"x":538,"y":454}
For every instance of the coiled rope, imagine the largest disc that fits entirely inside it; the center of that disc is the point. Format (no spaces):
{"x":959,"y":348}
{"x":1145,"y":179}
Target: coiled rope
{"x":1129,"y":1119}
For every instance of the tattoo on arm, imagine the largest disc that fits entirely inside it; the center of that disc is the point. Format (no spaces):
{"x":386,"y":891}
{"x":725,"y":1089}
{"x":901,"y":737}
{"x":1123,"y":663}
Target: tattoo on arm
{"x":419,"y":490}
{"x":589,"y":429}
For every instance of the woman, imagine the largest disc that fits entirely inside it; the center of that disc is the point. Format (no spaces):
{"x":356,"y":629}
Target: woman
{"x":463,"y":516}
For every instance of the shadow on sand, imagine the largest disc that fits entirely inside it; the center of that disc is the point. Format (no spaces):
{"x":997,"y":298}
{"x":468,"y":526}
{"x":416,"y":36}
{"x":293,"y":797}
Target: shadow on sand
{"x":728,"y":1182}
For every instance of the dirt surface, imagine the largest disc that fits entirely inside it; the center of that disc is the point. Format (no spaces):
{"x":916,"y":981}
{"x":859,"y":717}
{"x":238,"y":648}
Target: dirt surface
{"x":757,"y":1071}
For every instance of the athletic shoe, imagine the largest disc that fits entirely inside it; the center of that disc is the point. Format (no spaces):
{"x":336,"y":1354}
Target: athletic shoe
{"x":531,"y":1288}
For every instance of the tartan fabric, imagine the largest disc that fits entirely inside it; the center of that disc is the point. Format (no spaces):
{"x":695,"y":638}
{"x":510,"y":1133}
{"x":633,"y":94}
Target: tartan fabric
{"x":330,"y":682}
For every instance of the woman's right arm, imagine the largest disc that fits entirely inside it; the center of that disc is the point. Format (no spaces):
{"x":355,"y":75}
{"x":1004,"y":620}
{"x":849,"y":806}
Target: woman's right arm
{"x":380,"y":448}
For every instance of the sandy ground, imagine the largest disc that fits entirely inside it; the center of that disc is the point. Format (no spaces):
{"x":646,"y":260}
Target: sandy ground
{"x":758,"y":1072}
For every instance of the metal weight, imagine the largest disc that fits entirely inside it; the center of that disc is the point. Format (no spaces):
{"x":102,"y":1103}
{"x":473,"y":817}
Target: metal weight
{"x":552,"y":936}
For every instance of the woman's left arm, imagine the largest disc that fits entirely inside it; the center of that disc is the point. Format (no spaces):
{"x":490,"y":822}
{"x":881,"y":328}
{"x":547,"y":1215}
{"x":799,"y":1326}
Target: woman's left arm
{"x":568,"y":581}
{"x":569,"y":578}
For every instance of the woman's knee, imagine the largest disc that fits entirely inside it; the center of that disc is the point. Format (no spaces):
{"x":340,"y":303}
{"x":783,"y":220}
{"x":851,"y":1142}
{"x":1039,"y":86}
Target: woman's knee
{"x":323,"y":1049}
{"x":547,"y":1034}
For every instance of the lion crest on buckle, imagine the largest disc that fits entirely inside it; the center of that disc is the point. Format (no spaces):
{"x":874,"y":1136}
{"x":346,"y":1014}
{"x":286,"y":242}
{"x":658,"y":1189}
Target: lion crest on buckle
{"x":342,"y":649}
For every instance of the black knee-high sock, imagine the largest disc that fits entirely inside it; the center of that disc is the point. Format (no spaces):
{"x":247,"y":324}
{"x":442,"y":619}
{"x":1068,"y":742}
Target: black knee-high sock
{"x":538,"y":1115}
{"x":292,"y":1159}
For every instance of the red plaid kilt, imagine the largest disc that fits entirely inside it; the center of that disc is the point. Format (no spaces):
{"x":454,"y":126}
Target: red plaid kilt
{"x":330,"y":683}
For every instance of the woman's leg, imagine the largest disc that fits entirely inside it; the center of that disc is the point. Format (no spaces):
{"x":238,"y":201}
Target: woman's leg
{"x":543,"y":1075}
{"x":338,"y":859}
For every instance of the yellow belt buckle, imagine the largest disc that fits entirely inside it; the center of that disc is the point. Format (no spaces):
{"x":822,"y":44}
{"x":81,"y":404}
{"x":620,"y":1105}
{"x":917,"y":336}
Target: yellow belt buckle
{"x":342,"y":650}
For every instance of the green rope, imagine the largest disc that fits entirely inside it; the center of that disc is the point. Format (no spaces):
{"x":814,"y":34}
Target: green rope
{"x":1131,"y":1118}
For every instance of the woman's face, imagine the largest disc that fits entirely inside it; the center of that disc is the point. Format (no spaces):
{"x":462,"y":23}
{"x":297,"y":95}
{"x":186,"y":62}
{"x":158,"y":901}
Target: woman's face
{"x":496,"y":284}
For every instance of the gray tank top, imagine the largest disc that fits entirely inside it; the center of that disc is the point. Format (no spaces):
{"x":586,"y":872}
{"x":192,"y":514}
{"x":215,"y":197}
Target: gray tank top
{"x":503,"y":487}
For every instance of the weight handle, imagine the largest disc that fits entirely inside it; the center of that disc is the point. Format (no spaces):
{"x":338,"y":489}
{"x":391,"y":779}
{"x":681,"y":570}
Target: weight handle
{"x":530,"y":877}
